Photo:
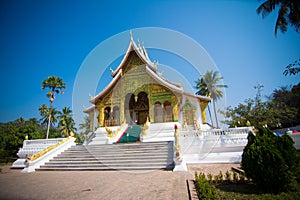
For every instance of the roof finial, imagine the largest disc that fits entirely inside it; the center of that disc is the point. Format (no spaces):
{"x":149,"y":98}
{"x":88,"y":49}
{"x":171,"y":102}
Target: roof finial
{"x":139,"y":44}
{"x":111,"y":70}
{"x":131,"y":38}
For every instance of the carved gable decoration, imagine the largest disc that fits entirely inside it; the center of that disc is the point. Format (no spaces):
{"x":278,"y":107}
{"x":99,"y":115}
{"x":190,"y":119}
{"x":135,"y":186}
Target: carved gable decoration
{"x":188,"y":105}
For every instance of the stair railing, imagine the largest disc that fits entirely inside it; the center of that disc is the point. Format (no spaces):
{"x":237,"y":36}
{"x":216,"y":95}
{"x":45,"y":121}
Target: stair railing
{"x":36,"y":160}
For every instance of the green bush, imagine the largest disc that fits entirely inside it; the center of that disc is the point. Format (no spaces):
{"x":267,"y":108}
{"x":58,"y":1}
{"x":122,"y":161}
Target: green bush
{"x":228,"y":176}
{"x":270,"y":161}
{"x":242,"y":178}
{"x":235,"y":177}
{"x":210,"y":178}
{"x":204,"y":190}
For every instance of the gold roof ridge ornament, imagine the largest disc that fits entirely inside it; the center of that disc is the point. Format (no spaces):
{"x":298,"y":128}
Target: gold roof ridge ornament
{"x":130,"y":32}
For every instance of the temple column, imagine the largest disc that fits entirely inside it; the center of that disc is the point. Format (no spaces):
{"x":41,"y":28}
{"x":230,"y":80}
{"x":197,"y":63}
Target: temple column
{"x":91,"y":116}
{"x":175,"y":111}
{"x":122,"y":115}
{"x":203,"y":106}
{"x":100,"y":109}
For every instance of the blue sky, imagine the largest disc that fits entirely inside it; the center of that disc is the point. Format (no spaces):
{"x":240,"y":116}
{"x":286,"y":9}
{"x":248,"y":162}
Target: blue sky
{"x":43,"y":38}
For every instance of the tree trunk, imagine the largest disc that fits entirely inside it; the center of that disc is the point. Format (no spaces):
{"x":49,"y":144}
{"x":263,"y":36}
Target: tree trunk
{"x":48,"y":125}
{"x":49,"y":121}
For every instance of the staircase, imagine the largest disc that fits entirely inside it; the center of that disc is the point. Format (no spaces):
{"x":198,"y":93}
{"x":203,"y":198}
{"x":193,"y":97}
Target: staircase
{"x":124,"y":156}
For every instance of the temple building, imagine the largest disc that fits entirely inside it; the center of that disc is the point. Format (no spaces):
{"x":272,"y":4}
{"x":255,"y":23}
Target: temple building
{"x":139,"y":94}
{"x":163,"y":126}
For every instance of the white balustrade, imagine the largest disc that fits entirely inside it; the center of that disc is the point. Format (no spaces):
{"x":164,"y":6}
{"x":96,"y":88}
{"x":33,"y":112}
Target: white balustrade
{"x":31,"y":147}
{"x":34,"y":164}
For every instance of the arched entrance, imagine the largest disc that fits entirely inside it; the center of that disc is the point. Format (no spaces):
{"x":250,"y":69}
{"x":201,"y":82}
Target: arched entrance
{"x":136,"y":112}
{"x":107,"y":116}
{"x":142,"y":108}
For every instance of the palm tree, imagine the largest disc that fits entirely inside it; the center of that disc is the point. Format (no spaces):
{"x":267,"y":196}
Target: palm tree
{"x":85,"y":125}
{"x":288,"y":13}
{"x":45,"y":114}
{"x":66,"y":122}
{"x":56,"y":86}
{"x":208,"y":86}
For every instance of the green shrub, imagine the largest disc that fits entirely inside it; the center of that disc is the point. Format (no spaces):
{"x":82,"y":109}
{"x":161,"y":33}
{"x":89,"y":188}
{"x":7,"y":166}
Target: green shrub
{"x":270,"y":161}
{"x":235,"y":177}
{"x":228,"y":176}
{"x":210,"y":178}
{"x":204,"y":189}
{"x":242,"y":178}
{"x":220,"y":176}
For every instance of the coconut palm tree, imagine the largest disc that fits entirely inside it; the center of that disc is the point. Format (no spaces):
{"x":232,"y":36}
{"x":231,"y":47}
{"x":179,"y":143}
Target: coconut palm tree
{"x":288,"y":13}
{"x":56,"y":86}
{"x":66,"y":122}
{"x":45,"y":114}
{"x":85,"y":125}
{"x":209,"y":86}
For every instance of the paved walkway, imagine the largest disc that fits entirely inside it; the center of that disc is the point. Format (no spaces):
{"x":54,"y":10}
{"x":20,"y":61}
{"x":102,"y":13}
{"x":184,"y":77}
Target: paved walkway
{"x":100,"y":184}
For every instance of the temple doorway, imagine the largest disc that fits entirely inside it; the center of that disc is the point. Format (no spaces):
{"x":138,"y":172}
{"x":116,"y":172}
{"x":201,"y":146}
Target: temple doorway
{"x":142,"y":108}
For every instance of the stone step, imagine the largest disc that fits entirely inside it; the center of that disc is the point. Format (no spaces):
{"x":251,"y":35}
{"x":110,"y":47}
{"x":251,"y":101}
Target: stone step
{"x":91,"y":157}
{"x":120,"y":148}
{"x":111,"y":164}
{"x":105,"y":168}
{"x":120,"y":154}
{"x":104,"y":161}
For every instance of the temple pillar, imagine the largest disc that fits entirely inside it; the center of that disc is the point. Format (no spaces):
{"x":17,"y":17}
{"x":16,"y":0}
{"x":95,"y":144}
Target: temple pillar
{"x":175,"y":111}
{"x":122,"y":115}
{"x":100,"y":109}
{"x":203,"y":106}
{"x":91,"y":116}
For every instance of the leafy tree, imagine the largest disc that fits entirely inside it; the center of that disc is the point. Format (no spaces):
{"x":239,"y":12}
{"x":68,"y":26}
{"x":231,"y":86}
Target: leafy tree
{"x":270,"y":161}
{"x":12,"y":135}
{"x":281,"y":110}
{"x":209,"y":86}
{"x":66,"y":122}
{"x":56,"y":86}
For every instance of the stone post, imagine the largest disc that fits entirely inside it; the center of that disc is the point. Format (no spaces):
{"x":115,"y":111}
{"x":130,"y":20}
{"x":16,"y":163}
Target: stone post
{"x":177,"y":145}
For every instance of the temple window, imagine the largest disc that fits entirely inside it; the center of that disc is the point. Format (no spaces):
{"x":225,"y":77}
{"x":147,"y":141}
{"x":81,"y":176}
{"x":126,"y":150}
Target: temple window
{"x":168,"y":111}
